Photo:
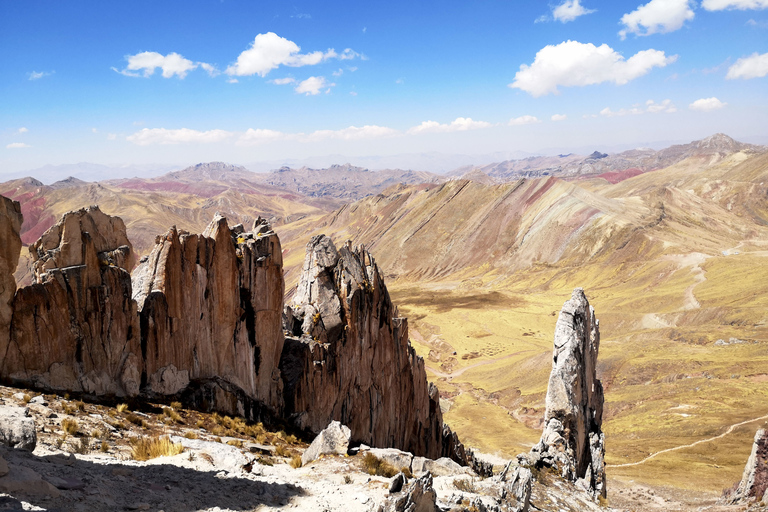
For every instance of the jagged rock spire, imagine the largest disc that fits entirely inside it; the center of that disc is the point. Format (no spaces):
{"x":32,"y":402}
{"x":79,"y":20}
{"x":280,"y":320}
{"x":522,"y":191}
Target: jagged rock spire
{"x":754,"y":482}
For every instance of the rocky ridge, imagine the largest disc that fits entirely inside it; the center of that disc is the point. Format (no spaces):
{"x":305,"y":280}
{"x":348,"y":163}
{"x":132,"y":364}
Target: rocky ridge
{"x":753,"y":487}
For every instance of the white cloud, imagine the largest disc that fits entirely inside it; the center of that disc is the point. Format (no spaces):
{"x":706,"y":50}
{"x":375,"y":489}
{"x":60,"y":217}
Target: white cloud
{"x":517,"y":121}
{"x":559,"y":117}
{"x":665,"y":106}
{"x":171,"y":64}
{"x":313,"y":85}
{"x":210,"y":69}
{"x":657,"y":16}
{"x":111,"y":136}
{"x":572,"y":63}
{"x":232,"y":81}
{"x":283,"y":81}
{"x":338,"y":73}
{"x":22,"y":130}
{"x":352,"y":93}
{"x":607,"y":112}
{"x":707,"y":104}
{"x":651,"y":107}
{"x":757,"y":24}
{"x":460,"y":124}
{"x":354,"y":133}
{"x":754,"y":66}
{"x":37,"y":75}
{"x":17,"y":145}
{"x":742,"y":5}
{"x":254,"y":137}
{"x":269,"y":51}
{"x":569,"y":10}
{"x":151,"y":136}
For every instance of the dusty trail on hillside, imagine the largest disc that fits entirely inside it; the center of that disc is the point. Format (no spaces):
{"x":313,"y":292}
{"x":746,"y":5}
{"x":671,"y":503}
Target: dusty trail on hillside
{"x":700,"y":441}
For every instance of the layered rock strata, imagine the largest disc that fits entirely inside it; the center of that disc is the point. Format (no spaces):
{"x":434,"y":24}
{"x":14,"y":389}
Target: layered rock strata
{"x":76,"y":327}
{"x":211,"y":308}
{"x":10,"y":245}
{"x":754,"y":482}
{"x":348,"y":358}
{"x":572,"y":440}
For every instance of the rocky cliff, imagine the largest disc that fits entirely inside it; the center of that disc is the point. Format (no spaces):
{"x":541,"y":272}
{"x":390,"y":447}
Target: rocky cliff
{"x":572,"y":440}
{"x":754,"y":482}
{"x":76,"y":327}
{"x":10,"y":227}
{"x":348,"y":358}
{"x":210,"y":308}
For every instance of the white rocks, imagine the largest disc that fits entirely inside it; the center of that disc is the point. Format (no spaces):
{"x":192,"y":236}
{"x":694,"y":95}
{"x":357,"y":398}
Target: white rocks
{"x":17,"y":428}
{"x":333,"y":439}
{"x":754,"y":482}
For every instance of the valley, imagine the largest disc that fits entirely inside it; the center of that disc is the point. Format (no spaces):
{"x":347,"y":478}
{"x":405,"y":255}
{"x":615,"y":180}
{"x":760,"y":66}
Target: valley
{"x":673,"y":259}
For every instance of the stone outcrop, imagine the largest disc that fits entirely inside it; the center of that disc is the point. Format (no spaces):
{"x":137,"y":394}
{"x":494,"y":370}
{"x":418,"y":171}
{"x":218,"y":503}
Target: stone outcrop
{"x":76,"y":328}
{"x":348,"y":358}
{"x":334,"y":439}
{"x":572,"y":440}
{"x":754,"y":482}
{"x":418,"y":496}
{"x":10,"y":245}
{"x":211,"y":318}
{"x":17,"y":428}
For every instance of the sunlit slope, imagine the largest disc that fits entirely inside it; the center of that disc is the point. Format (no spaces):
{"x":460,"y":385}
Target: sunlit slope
{"x":673,"y":261}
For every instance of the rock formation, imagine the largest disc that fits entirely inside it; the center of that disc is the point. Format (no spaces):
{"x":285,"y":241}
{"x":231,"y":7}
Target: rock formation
{"x":76,"y":328}
{"x":211,"y":309}
{"x":348,"y":358}
{"x":754,"y":482}
{"x":572,"y":440}
{"x":10,"y":245}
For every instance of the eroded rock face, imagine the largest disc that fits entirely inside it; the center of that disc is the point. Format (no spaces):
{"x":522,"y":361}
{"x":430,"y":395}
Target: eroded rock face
{"x":754,"y":482}
{"x":348,"y":358}
{"x":76,"y":328}
{"x":10,"y":245}
{"x":572,"y":439}
{"x":211,"y":308}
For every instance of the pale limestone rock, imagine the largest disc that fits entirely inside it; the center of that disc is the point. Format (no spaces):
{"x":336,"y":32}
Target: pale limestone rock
{"x":572,"y":439}
{"x":440,"y":467}
{"x":10,"y":247}
{"x":348,"y":358}
{"x":754,"y":482}
{"x":418,"y":496}
{"x":210,"y":310}
{"x":333,"y":439}
{"x":396,"y":458}
{"x":17,"y":428}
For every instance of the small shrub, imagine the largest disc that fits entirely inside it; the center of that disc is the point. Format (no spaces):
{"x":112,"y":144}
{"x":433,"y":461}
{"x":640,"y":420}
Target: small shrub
{"x":295,"y":461}
{"x":60,"y":441}
{"x":145,"y":448}
{"x":104,"y":447}
{"x":70,"y":426}
{"x":291,"y":439}
{"x":375,"y":466}
{"x":172,"y":414}
{"x":200,"y":424}
{"x":281,"y":451}
{"x":406,"y":471}
{"x":122,"y":408}
{"x":80,"y":406}
{"x":217,"y":440}
{"x":136,"y":420}
{"x":68,"y":409}
{"x":602,"y":501}
{"x":191,"y":435}
{"x":26,"y":398}
{"x":66,"y":396}
{"x":235,"y":442}
{"x":176,"y":405}
{"x":84,"y":446}
{"x":261,"y":438}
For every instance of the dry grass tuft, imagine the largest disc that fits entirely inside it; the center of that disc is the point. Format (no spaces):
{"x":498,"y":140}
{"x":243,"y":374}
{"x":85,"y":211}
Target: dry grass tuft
{"x":145,"y":448}
{"x":235,"y":442}
{"x":375,"y":466}
{"x":176,"y":405}
{"x":295,"y":461}
{"x":281,"y":451}
{"x":70,"y":426}
{"x":191,"y":435}
{"x":122,"y":408}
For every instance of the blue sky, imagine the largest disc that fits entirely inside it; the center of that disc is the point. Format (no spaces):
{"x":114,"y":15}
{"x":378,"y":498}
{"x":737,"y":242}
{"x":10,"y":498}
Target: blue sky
{"x":245,"y":81}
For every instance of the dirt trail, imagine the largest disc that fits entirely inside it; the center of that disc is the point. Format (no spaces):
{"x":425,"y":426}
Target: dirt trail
{"x":700,"y":441}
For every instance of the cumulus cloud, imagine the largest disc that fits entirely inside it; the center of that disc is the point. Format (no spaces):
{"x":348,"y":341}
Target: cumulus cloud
{"x":657,"y":16}
{"x":460,"y":124}
{"x":572,"y":63}
{"x":354,"y":133}
{"x":23,"y":130}
{"x":707,"y":104}
{"x":517,"y":121}
{"x":651,"y":107}
{"x":313,"y":86}
{"x":17,"y":145}
{"x":569,"y":10}
{"x":146,"y":63}
{"x":210,"y":69}
{"x":269,"y":51}
{"x":607,"y":112}
{"x":559,"y":117}
{"x":37,"y":75}
{"x":150,"y":136}
{"x":283,"y":81}
{"x":253,"y":137}
{"x":742,"y":5}
{"x":754,"y":66}
{"x":665,"y":106}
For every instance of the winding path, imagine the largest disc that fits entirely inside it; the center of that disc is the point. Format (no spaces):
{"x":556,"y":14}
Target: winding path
{"x":730,"y":429}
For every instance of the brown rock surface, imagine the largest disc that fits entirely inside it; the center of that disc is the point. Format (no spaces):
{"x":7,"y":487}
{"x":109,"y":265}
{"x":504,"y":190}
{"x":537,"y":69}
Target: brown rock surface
{"x":754,"y":482}
{"x":10,"y":245}
{"x":349,"y":358}
{"x":76,"y":328}
{"x":210,"y":308}
{"x":572,"y":439}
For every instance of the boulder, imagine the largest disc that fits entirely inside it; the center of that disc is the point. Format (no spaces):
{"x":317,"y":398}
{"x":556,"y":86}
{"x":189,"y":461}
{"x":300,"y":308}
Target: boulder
{"x":21,"y":480}
{"x":398,"y":459}
{"x":754,"y":482}
{"x":333,"y":439}
{"x":210,"y":309}
{"x":418,"y":496}
{"x":397,"y":483}
{"x":517,"y":490}
{"x":17,"y":428}
{"x":347,"y":357}
{"x":10,"y":247}
{"x":440,"y":467}
{"x":573,"y":440}
{"x":76,"y":328}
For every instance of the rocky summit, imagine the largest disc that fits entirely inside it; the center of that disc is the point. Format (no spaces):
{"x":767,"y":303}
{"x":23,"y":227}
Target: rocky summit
{"x":573,"y":441}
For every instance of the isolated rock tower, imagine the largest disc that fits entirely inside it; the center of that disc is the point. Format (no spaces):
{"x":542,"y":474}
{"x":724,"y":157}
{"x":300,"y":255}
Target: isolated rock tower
{"x":573,"y":440}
